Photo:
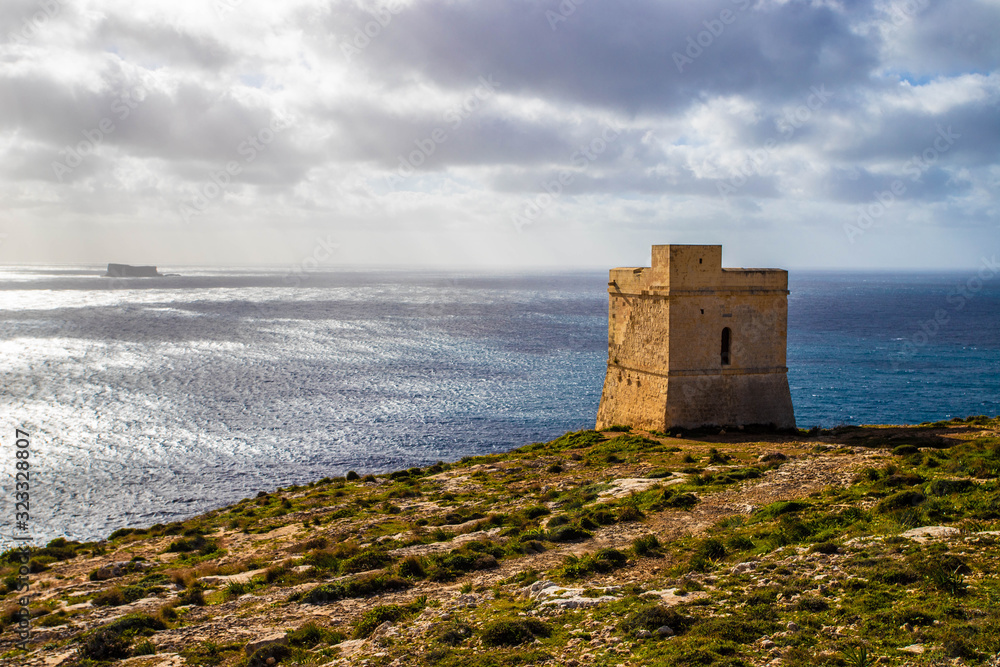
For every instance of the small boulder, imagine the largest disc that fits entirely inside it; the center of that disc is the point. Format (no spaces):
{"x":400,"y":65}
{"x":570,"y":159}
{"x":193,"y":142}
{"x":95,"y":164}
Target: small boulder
{"x":665,"y":631}
{"x":273,"y":639}
{"x":115,"y":570}
{"x":769,"y":457}
{"x":792,"y":626}
{"x":643,"y":634}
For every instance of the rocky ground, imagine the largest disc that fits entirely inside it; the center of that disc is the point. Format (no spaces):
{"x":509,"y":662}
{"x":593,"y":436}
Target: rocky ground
{"x":855,"y":546}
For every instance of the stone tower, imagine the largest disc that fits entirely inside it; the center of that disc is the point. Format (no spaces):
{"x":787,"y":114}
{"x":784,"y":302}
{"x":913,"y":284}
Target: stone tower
{"x":693,"y":344}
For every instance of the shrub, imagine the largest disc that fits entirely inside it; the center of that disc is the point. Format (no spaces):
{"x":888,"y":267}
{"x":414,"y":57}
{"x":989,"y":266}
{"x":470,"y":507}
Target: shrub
{"x":654,"y":617}
{"x":59,"y":549}
{"x":453,"y":633}
{"x":353,"y":588}
{"x":535,"y":511}
{"x":603,"y":560}
{"x":376,"y":616}
{"x":268,"y":655}
{"x":949,"y":580}
{"x":105,"y":645}
{"x":199,"y":543}
{"x":568,"y":533}
{"x":739,"y":543}
{"x":811,"y":603}
{"x":825,"y":548}
{"x":672,"y":498}
{"x":646,"y":545}
{"x":738,"y":629}
{"x":775,"y":510}
{"x":901,"y":500}
{"x":112,"y":597}
{"x":711,"y":548}
{"x":311,"y":634}
{"x":352,"y":476}
{"x":52,"y":620}
{"x":412,"y":566}
{"x":858,"y":656}
{"x":629,"y":512}
{"x":715,"y":456}
{"x":145,"y":647}
{"x":369,"y":559}
{"x":112,"y":641}
{"x":514,"y":632}
{"x":946,"y":487}
{"x":193,"y":594}
{"x":235,"y":589}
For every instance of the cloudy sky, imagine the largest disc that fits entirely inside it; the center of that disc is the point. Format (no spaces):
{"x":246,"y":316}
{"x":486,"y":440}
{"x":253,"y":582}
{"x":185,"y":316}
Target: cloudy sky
{"x":824,"y":133}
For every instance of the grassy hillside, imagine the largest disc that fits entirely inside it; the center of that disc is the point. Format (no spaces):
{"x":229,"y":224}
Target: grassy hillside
{"x":855,"y":546}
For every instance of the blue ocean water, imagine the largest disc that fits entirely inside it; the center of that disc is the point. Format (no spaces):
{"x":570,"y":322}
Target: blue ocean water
{"x":150,"y":400}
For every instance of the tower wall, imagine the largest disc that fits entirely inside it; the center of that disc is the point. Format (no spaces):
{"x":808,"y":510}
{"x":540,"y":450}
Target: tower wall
{"x":665,"y":361}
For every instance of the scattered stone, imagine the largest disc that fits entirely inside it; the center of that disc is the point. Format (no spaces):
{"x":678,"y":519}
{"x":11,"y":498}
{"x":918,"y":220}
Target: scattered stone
{"x":927,"y":533}
{"x":915,"y":649}
{"x":383,"y":632}
{"x":643,"y":634}
{"x":627,"y":486}
{"x":792,"y":626}
{"x":118,"y":569}
{"x":241,"y":578}
{"x":665,"y":631}
{"x":767,"y":644}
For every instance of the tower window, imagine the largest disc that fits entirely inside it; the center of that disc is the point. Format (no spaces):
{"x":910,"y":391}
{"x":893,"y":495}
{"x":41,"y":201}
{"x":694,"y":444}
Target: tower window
{"x":726,"y":336}
{"x":699,"y":260}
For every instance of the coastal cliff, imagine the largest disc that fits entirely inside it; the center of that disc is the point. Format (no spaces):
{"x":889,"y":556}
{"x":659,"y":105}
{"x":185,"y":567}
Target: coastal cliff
{"x":848,"y":546}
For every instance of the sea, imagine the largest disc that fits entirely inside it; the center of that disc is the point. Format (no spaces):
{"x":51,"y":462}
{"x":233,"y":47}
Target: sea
{"x":151,"y":400}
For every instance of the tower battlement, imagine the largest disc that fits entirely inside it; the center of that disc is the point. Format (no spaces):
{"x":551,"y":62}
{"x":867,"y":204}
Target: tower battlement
{"x":691,"y":343}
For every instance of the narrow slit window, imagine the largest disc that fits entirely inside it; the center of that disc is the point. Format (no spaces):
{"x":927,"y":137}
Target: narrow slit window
{"x":726,"y":337}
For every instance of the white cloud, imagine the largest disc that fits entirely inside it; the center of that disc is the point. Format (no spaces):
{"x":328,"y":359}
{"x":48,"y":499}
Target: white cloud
{"x":202,"y":82}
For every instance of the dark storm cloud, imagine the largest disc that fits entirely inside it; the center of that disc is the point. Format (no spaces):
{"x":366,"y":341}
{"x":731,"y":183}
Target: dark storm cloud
{"x":967,"y":134}
{"x":375,"y":133}
{"x":856,"y":186}
{"x":951,"y":37}
{"x":679,"y":181}
{"x":623,"y":57}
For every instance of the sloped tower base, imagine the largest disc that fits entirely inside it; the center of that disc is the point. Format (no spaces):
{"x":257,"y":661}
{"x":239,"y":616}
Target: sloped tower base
{"x":657,"y":403}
